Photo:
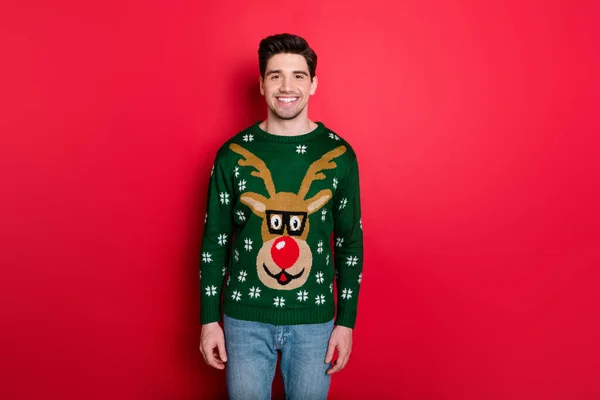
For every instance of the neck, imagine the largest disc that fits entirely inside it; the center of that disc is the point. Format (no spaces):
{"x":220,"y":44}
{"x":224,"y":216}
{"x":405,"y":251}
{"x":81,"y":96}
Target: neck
{"x":287,"y":127}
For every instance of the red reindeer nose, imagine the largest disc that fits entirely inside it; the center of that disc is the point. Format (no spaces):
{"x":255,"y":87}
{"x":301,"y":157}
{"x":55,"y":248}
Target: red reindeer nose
{"x":285,"y":252}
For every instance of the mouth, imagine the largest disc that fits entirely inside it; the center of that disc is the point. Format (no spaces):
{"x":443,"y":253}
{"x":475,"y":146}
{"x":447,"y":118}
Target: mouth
{"x":286,"y":101}
{"x":283,"y":278}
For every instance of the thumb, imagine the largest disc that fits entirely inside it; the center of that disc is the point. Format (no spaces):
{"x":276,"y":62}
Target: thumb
{"x":222,"y":353}
{"x":330,"y":350}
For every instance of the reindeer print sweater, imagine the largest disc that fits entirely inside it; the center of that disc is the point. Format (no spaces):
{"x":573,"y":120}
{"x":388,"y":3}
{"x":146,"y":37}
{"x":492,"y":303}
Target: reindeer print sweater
{"x":283,"y":230}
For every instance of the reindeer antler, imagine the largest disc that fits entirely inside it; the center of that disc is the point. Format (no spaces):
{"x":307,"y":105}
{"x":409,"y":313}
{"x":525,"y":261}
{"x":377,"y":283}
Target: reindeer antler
{"x":253,"y":161}
{"x":314,"y":171}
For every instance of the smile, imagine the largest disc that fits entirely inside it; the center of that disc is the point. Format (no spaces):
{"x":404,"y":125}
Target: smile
{"x":286,"y":100}
{"x":283,"y":277}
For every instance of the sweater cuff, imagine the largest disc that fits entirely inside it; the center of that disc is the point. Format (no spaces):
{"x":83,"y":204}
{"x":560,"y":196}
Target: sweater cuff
{"x":210,"y":313}
{"x":346,"y":318}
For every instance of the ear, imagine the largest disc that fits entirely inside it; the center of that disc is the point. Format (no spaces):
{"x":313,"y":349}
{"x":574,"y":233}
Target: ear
{"x":256,"y":202}
{"x":260,"y":81}
{"x":313,"y":85}
{"x":318,"y":201}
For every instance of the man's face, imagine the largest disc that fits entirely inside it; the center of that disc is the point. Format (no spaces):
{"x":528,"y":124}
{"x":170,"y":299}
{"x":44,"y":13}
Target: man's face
{"x":287,"y":85}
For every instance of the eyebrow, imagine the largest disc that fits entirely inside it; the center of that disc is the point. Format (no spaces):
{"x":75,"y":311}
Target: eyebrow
{"x":278,"y":71}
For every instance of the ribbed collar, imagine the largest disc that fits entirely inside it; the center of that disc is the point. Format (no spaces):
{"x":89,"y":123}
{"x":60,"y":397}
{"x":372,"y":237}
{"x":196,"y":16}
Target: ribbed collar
{"x":288,"y":139}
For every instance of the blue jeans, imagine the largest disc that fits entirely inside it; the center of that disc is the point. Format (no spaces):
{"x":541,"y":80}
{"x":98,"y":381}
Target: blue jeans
{"x":252,"y":357}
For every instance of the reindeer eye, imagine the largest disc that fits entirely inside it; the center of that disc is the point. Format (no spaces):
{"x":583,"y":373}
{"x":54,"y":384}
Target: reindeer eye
{"x":276,"y":221}
{"x":295,"y":223}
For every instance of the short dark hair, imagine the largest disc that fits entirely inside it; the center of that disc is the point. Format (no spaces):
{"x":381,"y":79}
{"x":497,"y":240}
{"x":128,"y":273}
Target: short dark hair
{"x":286,"y":43}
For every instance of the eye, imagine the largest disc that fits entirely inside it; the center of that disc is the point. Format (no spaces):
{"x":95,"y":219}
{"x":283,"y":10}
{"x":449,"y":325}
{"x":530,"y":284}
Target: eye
{"x":274,"y":77}
{"x":300,"y":76}
{"x":276,"y":221}
{"x":295,"y":223}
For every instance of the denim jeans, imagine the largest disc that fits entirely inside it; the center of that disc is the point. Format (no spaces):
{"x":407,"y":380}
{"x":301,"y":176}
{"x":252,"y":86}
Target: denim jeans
{"x":252,"y":357}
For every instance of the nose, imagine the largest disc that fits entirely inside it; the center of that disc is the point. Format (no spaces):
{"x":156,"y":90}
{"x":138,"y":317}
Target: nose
{"x":285,"y":252}
{"x":286,"y":85}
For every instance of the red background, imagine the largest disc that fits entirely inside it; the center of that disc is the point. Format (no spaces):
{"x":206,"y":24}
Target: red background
{"x":476,"y":126}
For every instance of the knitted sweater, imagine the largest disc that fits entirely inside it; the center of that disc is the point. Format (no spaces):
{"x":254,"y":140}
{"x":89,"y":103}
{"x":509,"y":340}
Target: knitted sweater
{"x":274,"y":203}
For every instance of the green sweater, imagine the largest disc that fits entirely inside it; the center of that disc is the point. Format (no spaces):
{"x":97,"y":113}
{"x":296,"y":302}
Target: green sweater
{"x":273,"y":204}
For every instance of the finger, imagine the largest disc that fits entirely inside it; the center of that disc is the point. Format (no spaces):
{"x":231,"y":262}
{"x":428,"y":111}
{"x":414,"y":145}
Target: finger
{"x":335,"y":368}
{"x":222,"y":352}
{"x":213,"y":362}
{"x":330,"y":350}
{"x":203,"y":352}
{"x":209,"y":356}
{"x":340,"y":363}
{"x":344,"y":361}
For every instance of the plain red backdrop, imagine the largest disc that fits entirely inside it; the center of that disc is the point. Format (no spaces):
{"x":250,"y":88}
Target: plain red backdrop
{"x":476,"y":127}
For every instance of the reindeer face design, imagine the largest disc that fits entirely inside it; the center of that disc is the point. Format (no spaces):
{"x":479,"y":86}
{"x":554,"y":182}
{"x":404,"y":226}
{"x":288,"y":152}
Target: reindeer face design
{"x":284,"y":261}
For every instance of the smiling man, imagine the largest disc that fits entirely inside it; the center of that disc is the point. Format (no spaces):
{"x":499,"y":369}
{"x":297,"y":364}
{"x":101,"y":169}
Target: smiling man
{"x":279,"y":190}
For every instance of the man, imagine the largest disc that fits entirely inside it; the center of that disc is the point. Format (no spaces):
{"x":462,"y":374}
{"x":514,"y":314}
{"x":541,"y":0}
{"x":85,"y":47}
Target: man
{"x":277,"y":192}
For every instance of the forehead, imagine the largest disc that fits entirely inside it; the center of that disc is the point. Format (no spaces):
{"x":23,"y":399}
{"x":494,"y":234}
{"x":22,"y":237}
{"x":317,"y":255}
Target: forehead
{"x":287,"y":61}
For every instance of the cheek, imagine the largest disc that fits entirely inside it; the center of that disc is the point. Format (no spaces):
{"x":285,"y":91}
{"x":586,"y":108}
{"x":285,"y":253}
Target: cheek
{"x":309,"y":89}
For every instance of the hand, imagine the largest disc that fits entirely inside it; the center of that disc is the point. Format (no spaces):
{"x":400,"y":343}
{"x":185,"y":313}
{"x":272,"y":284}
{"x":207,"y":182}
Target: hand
{"x":341,"y":338}
{"x":212,"y":345}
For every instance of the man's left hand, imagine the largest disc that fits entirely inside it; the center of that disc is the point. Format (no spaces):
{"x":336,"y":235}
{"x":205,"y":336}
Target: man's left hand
{"x":340,"y":339}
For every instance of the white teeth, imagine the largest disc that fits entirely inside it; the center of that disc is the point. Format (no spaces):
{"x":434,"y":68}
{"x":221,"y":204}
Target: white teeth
{"x":287,"y":99}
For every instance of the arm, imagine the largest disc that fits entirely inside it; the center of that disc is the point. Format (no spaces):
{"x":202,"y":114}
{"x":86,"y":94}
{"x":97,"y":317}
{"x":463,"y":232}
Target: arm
{"x":214,"y":258}
{"x":348,"y":242}
{"x":216,"y":243}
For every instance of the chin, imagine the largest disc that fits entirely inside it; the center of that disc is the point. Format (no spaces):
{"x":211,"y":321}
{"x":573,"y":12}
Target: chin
{"x":291,"y":114}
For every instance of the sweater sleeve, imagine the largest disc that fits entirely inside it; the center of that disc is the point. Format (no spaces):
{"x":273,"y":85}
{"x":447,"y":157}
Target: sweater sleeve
{"x":216,"y":242}
{"x":348,"y":245}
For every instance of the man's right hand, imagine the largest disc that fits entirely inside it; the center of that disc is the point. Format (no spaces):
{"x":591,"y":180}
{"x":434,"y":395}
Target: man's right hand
{"x":212,"y":345}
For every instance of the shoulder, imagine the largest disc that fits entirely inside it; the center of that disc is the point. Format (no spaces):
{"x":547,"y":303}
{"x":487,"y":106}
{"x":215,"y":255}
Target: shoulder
{"x":224,"y":155}
{"x":336,"y":140}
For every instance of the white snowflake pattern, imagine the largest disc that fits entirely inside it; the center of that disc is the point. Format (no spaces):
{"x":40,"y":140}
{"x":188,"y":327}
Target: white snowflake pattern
{"x":242,"y":276}
{"x":211,"y":290}
{"x":200,"y":274}
{"x":279,"y":302}
{"x":359,"y":278}
{"x":224,"y":198}
{"x":223,"y":271}
{"x":331,"y":288}
{"x":320,"y":299}
{"x":236,"y":171}
{"x":236,"y":295}
{"x":248,"y":244}
{"x":249,"y":137}
{"x":323,"y":214}
{"x":320,"y":277}
{"x":346,"y":294}
{"x":240,"y":215}
{"x":334,"y":136}
{"x":254,"y":292}
{"x":327,"y":260}
{"x":301,"y":149}
{"x":212,"y":170}
{"x":242,"y":185}
{"x":351,"y":261}
{"x":320,"y":247}
{"x":335,"y":182}
{"x":222,"y":238}
{"x":339,"y":242}
{"x":205,"y":217}
{"x":228,"y":280}
{"x":236,"y":255}
{"x":206,"y":257}
{"x":302,"y":295}
{"x":343,"y":203}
